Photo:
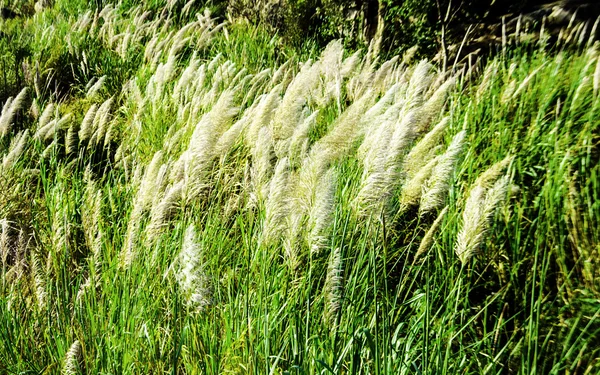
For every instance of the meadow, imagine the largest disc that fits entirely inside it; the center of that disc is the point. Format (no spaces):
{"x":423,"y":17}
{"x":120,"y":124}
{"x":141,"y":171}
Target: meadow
{"x":195,"y":198}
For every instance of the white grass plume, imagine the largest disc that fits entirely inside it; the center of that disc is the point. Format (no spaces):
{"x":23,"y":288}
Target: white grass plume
{"x":439,"y":183}
{"x":413,"y":187}
{"x":101,"y":121}
{"x":15,"y":150}
{"x":344,"y":131}
{"x":427,"y":240}
{"x":9,"y":112}
{"x":87,"y":125}
{"x":333,"y":288}
{"x":422,"y":152}
{"x":289,"y":114}
{"x":91,"y":210}
{"x":148,"y":189}
{"x":381,"y":164}
{"x":71,"y":139}
{"x":322,"y":211}
{"x":72,"y":359}
{"x":420,"y":80}
{"x":193,"y":283}
{"x":96,"y":87}
{"x":5,"y":246}
{"x":351,"y":64}
{"x":277,"y":203}
{"x":39,"y":281}
{"x":162,"y":212}
{"x":264,"y":113}
{"x":435,"y":104}
{"x":477,"y":215}
{"x":491,"y":175}
{"x":298,"y":146}
{"x":46,"y":115}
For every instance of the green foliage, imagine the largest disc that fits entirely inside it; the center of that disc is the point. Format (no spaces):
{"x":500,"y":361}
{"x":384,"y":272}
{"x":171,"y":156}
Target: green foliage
{"x":223,"y":297}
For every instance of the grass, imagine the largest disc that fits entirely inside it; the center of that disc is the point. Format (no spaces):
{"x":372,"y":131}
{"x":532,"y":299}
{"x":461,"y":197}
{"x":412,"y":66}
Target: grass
{"x":200,"y":224}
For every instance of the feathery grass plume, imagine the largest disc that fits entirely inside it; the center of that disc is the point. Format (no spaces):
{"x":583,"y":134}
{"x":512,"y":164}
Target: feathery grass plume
{"x":148,"y":189}
{"x":146,"y":193}
{"x":381,"y":162}
{"x":277,"y":204}
{"x":71,"y":139}
{"x":344,"y":131}
{"x":87,"y":125}
{"x":262,"y":154}
{"x":525,"y":82}
{"x":371,"y":196}
{"x":578,"y":96}
{"x":96,"y":87}
{"x":95,"y":262}
{"x":258,"y":83}
{"x":46,"y":115}
{"x":360,"y":83}
{"x":48,"y":151}
{"x":5,"y":248}
{"x":204,"y":138}
{"x":329,"y":65}
{"x":413,"y":188}
{"x":60,"y":237}
{"x":322,"y":210}
{"x":479,"y":210}
{"x":334,"y":288}
{"x":351,"y":64}
{"x":295,"y":222}
{"x":401,"y":138}
{"x":489,"y":75}
{"x":380,"y":78}
{"x":280,"y":74}
{"x":373,"y":119}
{"x":231,"y":136}
{"x":53,"y":128}
{"x":265,"y":110}
{"x":472,"y":231}
{"x":17,"y":145}
{"x":289,"y":113}
{"x":72,"y":359}
{"x":9,"y":111}
{"x":101,"y":121}
{"x":194,"y":284}
{"x":491,"y":175}
{"x":162,"y":212}
{"x":424,"y":151}
{"x":186,"y":79}
{"x":39,"y":281}
{"x":427,"y":240}
{"x":438,"y":184}
{"x":495,"y":196}
{"x":298,"y":148}
{"x":435,"y":104}
{"x":420,"y":80}
{"x":160,"y":184}
{"x":91,"y":209}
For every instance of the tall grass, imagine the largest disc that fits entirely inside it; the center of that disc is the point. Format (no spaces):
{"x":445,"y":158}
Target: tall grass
{"x":337,"y":215}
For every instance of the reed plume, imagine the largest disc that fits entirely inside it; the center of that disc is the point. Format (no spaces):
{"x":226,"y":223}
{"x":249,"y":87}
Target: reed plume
{"x":438,"y":184}
{"x":72,"y":359}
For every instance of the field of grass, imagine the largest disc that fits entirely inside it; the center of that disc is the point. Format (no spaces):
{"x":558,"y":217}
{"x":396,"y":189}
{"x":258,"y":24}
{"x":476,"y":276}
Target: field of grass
{"x":188,"y":197}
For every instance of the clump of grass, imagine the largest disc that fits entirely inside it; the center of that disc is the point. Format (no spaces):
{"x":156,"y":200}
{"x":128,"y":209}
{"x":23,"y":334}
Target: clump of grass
{"x":216,"y":214}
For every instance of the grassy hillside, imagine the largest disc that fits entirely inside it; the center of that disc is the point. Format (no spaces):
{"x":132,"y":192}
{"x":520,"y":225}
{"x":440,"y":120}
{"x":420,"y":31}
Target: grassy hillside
{"x":181,"y":195}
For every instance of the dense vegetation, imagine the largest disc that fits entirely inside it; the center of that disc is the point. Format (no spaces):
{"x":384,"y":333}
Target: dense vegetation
{"x":180,"y":194}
